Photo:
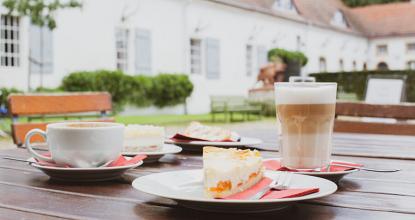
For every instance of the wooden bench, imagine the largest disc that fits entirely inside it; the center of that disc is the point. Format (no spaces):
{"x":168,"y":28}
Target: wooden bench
{"x":57,"y":106}
{"x":402,"y":113}
{"x":231,"y":105}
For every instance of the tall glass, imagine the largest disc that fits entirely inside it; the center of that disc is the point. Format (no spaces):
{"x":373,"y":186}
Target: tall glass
{"x":305,"y":112}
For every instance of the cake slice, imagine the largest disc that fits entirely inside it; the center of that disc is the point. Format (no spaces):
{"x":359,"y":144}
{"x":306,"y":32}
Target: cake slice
{"x":229,"y":171}
{"x":143,"y":138}
{"x":199,"y":131}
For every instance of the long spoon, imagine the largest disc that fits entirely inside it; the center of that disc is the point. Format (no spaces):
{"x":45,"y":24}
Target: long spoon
{"x":30,"y":162}
{"x":368,"y":169}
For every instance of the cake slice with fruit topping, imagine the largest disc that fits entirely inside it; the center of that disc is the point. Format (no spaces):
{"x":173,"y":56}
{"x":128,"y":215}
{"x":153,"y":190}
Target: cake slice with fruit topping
{"x":229,"y":171}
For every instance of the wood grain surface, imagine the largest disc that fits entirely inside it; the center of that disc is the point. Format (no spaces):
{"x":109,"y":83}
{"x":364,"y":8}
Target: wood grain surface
{"x":27,"y":193}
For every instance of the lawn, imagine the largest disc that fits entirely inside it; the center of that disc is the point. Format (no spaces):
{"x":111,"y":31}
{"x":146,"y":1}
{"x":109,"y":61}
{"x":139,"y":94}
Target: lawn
{"x":163,"y":120}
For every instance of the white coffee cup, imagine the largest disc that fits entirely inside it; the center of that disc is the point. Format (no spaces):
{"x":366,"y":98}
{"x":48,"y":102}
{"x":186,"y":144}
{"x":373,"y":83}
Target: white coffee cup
{"x":80,"y":144}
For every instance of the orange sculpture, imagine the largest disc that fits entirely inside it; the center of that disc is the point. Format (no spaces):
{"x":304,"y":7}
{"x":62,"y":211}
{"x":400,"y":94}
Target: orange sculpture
{"x":271,"y":73}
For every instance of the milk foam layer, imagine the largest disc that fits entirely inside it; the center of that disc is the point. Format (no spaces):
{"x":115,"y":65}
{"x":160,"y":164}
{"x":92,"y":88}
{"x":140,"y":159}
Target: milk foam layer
{"x":301,"y":93}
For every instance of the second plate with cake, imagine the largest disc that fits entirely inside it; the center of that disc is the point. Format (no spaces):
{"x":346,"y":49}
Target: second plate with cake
{"x":148,"y":140}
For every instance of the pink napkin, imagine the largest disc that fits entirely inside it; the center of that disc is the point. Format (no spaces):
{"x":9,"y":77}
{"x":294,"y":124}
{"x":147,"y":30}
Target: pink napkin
{"x":120,"y":161}
{"x":184,"y":138}
{"x":276,"y":165}
{"x":272,"y":194}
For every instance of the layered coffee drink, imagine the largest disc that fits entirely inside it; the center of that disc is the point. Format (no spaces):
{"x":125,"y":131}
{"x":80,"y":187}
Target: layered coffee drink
{"x":306,"y":114}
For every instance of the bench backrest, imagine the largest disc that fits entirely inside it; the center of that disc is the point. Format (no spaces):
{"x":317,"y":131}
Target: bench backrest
{"x":55,"y":104}
{"x":401,"y":112}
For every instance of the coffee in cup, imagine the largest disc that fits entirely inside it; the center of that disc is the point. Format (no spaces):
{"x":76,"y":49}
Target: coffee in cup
{"x":306,"y":115}
{"x":80,"y":144}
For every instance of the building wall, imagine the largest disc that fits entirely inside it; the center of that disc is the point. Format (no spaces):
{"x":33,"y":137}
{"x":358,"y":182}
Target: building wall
{"x":85,"y":40}
{"x":397,"y":56}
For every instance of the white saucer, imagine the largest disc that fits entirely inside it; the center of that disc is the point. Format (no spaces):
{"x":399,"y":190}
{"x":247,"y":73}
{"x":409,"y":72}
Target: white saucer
{"x":156,"y":155}
{"x":186,"y":188}
{"x":332,"y":176}
{"x":197,"y":146}
{"x":83,"y":174}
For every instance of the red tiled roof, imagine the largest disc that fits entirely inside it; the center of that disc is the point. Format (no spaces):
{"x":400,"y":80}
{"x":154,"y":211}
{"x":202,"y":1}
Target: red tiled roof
{"x":373,"y":21}
{"x":386,"y":20}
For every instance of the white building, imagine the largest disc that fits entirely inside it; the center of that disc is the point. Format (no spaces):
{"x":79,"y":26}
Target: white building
{"x":219,"y":43}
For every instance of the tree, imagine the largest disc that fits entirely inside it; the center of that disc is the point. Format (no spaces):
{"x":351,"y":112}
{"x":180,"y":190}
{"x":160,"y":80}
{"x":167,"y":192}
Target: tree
{"x":40,"y":12}
{"x":359,"y":3}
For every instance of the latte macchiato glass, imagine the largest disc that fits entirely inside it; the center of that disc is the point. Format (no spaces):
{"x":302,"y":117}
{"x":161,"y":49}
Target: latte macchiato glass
{"x":305,"y":112}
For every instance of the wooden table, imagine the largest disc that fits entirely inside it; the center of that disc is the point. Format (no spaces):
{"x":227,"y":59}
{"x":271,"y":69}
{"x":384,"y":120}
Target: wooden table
{"x":27,"y":193}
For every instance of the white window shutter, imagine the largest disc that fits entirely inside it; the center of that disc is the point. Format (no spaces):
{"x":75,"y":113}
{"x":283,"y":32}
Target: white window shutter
{"x":212,"y":58}
{"x":41,"y":49}
{"x":262,"y":56}
{"x":142,"y":51}
{"x":47,"y":50}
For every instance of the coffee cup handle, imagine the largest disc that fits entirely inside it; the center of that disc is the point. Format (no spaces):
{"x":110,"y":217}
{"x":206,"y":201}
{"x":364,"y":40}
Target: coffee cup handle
{"x":29,"y":146}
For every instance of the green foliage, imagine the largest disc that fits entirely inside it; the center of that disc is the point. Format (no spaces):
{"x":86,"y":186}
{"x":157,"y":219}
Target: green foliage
{"x":359,"y":3}
{"x":5,"y":92}
{"x":48,"y":90}
{"x":171,"y":89}
{"x":355,"y":82}
{"x":162,"y":90}
{"x":79,"y":81}
{"x":141,"y":90}
{"x":40,"y":12}
{"x":288,"y":56}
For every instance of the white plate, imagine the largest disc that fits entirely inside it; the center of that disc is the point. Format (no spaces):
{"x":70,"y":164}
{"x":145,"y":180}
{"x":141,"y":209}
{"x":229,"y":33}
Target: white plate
{"x":84,"y":174}
{"x":198,"y":145}
{"x":186,"y":187}
{"x":332,"y":176}
{"x":156,"y":155}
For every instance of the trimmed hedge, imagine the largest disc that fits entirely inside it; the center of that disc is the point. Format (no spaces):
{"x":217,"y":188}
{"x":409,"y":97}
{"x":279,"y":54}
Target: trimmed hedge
{"x":171,"y":89}
{"x":162,"y":90}
{"x":355,"y":82}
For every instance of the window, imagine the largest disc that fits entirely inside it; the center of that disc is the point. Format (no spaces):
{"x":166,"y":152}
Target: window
{"x":339,"y":19}
{"x":212,"y":58}
{"x":142,"y":51}
{"x":410,"y":48}
{"x":382,"y":66}
{"x":41,"y":49}
{"x":411,"y":65}
{"x":195,"y":56}
{"x":382,"y":50}
{"x":284,"y":5}
{"x":354,"y":65}
{"x":249,"y":60}
{"x":341,"y":65}
{"x":121,"y":43}
{"x":9,"y":41}
{"x":322,"y":64}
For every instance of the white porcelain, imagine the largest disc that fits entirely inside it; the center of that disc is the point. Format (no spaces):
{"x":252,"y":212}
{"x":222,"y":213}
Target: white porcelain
{"x":186,"y":187}
{"x":82,"y":147}
{"x":93,"y":174}
{"x":198,"y":145}
{"x":154,"y":156}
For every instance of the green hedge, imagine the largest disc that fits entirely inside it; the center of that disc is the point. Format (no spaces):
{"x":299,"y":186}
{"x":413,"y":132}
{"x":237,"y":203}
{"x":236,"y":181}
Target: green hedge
{"x":355,"y":82}
{"x":161,"y":90}
{"x":169,"y":90}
